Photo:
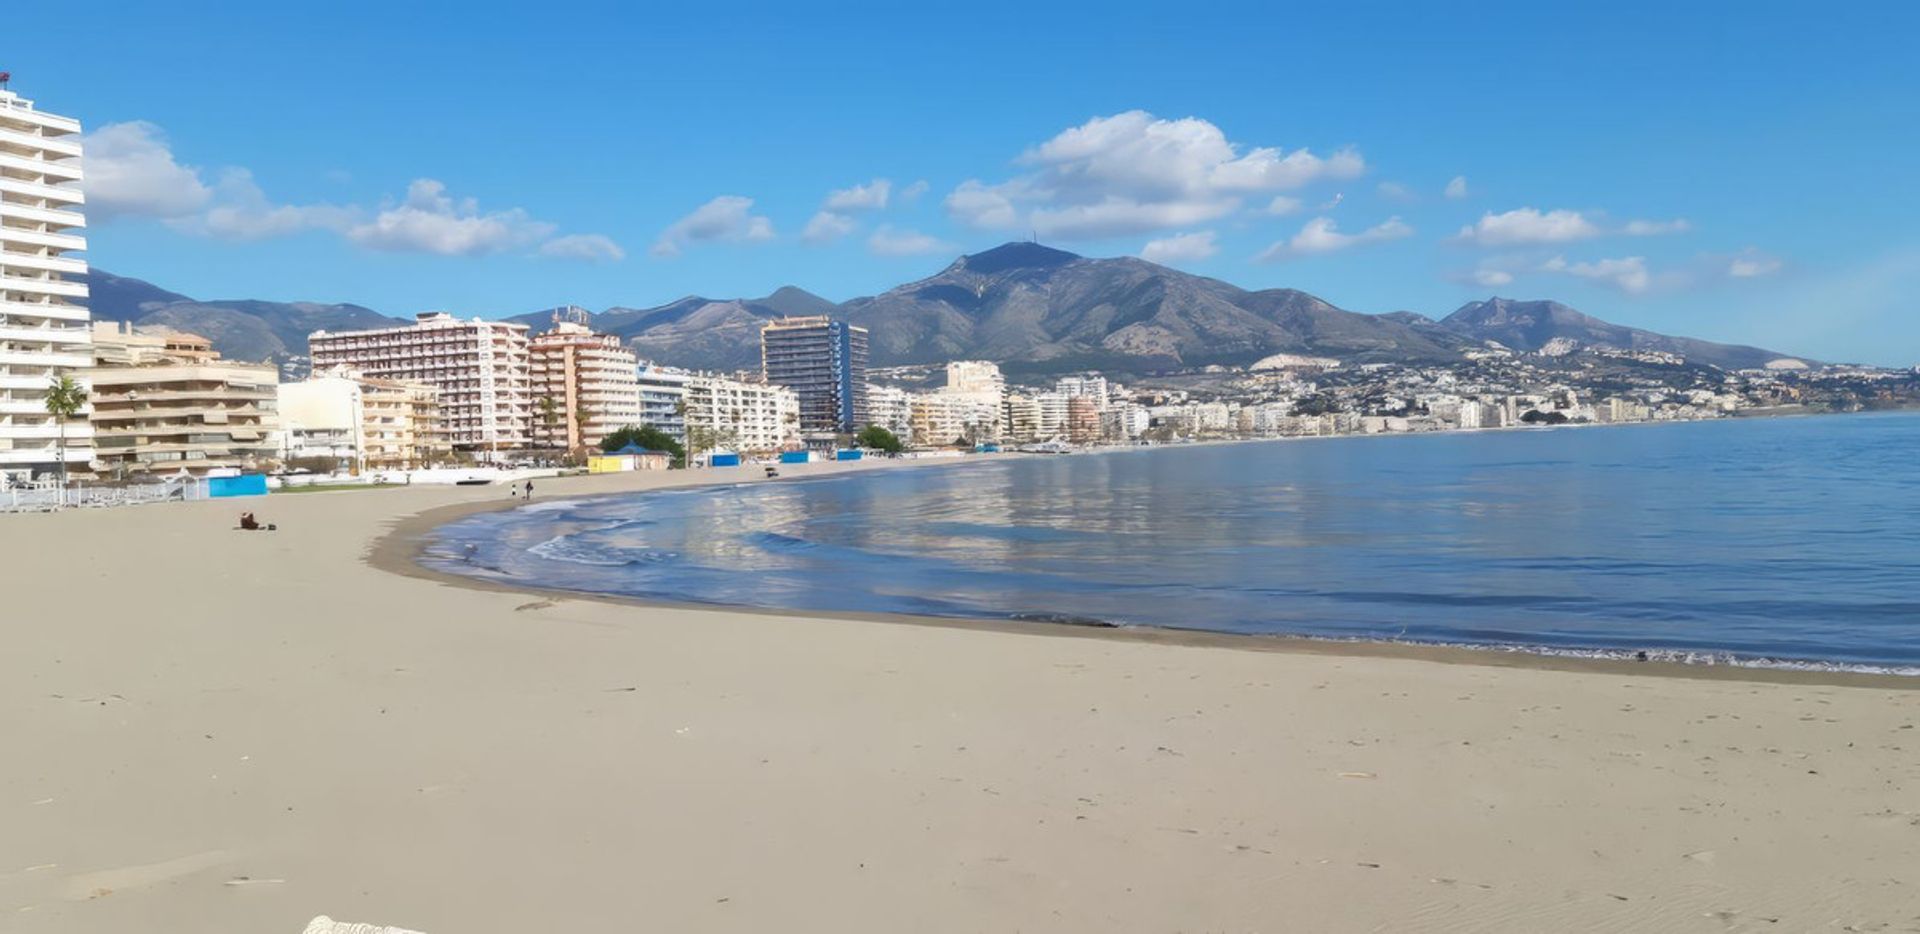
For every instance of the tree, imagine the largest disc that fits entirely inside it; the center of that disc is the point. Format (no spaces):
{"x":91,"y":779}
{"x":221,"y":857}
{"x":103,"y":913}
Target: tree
{"x":65,"y":399}
{"x":548,"y":410}
{"x":879,"y":438}
{"x":646,"y":436}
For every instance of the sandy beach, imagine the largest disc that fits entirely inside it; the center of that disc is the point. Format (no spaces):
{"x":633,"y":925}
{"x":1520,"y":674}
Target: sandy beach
{"x":210,"y":730}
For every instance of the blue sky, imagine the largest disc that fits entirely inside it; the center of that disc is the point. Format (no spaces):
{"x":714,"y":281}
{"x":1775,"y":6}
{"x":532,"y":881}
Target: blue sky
{"x":1739,"y":172}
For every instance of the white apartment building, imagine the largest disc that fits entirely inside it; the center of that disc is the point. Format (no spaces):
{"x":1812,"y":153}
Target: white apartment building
{"x":730,"y":415}
{"x":44,"y":326}
{"x":663,"y":398}
{"x":1022,"y":419}
{"x":482,"y":370}
{"x":1094,"y":387}
{"x":943,"y":418}
{"x":585,"y":386}
{"x":1053,"y":415}
{"x":891,"y":408}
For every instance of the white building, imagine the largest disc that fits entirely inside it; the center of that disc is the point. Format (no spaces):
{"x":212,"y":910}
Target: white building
{"x":1124,"y":421}
{"x":44,"y":325}
{"x":1022,"y":419}
{"x":891,"y":408}
{"x":941,"y":419}
{"x":362,"y":422}
{"x":1094,"y":387}
{"x":663,"y":398}
{"x":730,"y":415}
{"x":481,"y":368}
{"x":1053,"y":415}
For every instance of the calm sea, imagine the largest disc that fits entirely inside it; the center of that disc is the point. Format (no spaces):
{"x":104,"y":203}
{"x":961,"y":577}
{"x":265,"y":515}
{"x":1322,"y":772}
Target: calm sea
{"x":1787,"y":540}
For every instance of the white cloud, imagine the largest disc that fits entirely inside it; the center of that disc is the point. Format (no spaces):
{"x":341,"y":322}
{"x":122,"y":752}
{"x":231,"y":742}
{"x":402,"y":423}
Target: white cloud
{"x":869,"y":197}
{"x":1533,"y":226}
{"x":1457,"y":189}
{"x":888,"y":241}
{"x":1394,"y":191}
{"x":131,"y":172}
{"x":914,"y":191}
{"x":1282,"y":205}
{"x":728,"y":218}
{"x":1322,"y":235}
{"x":826,"y":227}
{"x":241,"y":211}
{"x":1656,"y":228}
{"x":592,"y":248}
{"x":1752,"y":264}
{"x":1628,"y":274}
{"x":1529,"y":225}
{"x":1134,"y":173}
{"x":1184,"y":248}
{"x":1333,"y":202}
{"x":1491,"y":278}
{"x":431,"y":221}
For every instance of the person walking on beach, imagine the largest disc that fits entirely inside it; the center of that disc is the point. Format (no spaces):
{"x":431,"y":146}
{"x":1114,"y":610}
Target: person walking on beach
{"x":529,"y":491}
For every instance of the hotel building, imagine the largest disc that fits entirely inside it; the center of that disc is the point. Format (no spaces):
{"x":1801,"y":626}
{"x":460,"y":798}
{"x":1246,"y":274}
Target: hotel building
{"x":891,"y":408}
{"x":165,"y":404}
{"x":824,"y":362}
{"x":592,"y":381}
{"x":482,"y":370}
{"x":363,"y":422}
{"x":727,"y":414}
{"x":44,"y":330}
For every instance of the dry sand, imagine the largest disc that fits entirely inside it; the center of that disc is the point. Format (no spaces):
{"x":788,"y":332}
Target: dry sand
{"x":184,"y":707}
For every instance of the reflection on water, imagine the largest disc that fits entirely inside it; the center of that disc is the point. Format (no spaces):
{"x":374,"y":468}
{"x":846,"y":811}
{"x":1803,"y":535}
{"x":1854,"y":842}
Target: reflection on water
{"x":1781,"y":538}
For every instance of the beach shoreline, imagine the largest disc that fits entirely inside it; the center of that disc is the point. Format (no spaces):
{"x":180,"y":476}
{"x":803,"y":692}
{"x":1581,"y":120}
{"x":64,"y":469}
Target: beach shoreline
{"x":401,"y":550}
{"x":210,"y":729}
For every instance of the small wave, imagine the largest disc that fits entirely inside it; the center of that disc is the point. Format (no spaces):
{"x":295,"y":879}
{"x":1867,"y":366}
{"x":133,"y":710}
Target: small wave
{"x":558,"y":505}
{"x":1670,"y":656}
{"x":566,"y":549}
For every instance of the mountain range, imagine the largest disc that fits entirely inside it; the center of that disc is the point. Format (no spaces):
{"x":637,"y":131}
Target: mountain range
{"x":1033,"y":309}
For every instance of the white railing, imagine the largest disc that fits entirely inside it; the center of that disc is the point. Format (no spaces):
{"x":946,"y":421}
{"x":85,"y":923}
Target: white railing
{"x":48,"y":495}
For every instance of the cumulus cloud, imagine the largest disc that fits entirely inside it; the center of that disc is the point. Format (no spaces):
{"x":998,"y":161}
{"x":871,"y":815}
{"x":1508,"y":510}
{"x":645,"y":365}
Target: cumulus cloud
{"x":1134,"y":173}
{"x":1322,"y":235}
{"x":1394,"y":191}
{"x":826,"y":227}
{"x":914,"y":191}
{"x":592,"y":248}
{"x":241,"y":211}
{"x":889,"y":241}
{"x":1457,"y":189}
{"x":1491,"y":278}
{"x":1184,"y":248}
{"x":869,"y":197}
{"x":1524,"y":226}
{"x":1528,"y":225}
{"x":131,"y":172}
{"x":728,"y":218}
{"x":431,"y":221}
{"x":1629,"y":274}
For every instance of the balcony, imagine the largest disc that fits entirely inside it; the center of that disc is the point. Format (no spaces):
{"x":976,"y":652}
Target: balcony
{"x":65,"y":171}
{"x":52,"y":241}
{"x":66,"y":336}
{"x":66,"y":146}
{"x":43,"y":286}
{"x":42,"y":215}
{"x":39,"y":358}
{"x":59,"y":264}
{"x":39,"y":190}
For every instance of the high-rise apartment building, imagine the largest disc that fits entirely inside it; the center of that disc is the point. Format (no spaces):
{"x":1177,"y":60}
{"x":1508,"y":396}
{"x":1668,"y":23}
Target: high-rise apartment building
{"x":482,"y":370}
{"x":663,"y":399}
{"x":165,"y":404}
{"x":824,"y":362}
{"x":44,"y":330}
{"x":891,"y":408}
{"x":731,"y":415}
{"x":585,"y":386}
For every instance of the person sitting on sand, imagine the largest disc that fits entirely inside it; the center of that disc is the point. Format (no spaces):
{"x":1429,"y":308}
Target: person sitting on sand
{"x":249,"y":523}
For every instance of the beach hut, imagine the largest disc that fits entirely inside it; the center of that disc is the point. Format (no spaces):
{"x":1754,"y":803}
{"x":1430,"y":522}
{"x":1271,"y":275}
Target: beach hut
{"x":723,"y":459}
{"x":629,"y":458}
{"x":796,"y":457}
{"x":849,"y":454}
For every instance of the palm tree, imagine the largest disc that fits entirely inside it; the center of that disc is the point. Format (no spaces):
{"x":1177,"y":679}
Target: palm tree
{"x":65,"y":399}
{"x":548,"y":409}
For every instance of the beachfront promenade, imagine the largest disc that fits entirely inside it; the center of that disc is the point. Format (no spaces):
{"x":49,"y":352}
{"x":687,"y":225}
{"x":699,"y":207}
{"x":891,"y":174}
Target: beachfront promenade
{"x":186,"y":706}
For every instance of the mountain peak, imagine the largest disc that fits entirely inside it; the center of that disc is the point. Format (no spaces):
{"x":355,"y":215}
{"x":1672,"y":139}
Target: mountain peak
{"x":1016,"y":255}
